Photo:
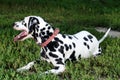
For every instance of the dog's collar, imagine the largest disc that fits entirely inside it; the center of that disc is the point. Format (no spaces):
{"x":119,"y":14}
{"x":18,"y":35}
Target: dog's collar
{"x":50,"y":38}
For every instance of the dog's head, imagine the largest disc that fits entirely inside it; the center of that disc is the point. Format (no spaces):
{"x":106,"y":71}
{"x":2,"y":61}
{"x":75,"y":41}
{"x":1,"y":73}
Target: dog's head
{"x":28,"y":26}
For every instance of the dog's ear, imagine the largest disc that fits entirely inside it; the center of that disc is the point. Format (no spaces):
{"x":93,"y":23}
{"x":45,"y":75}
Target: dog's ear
{"x":33,"y":21}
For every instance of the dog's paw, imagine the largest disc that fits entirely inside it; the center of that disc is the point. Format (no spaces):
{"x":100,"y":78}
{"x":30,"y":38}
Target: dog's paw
{"x":26,"y":68}
{"x":21,"y":70}
{"x":18,"y":70}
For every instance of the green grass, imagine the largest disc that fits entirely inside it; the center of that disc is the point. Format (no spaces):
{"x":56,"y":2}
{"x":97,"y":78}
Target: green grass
{"x":71,"y":17}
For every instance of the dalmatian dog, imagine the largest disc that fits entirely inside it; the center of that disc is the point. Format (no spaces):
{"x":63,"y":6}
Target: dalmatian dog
{"x":56,"y":48}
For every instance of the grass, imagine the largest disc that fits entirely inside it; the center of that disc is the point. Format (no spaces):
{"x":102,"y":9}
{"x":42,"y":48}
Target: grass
{"x":71,"y":17}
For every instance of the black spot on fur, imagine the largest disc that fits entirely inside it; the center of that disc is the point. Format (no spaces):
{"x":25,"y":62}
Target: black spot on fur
{"x":72,"y":56}
{"x":44,"y":38}
{"x":53,"y":55}
{"x":70,"y":46}
{"x":42,"y":29}
{"x":75,"y":37}
{"x":85,"y":39}
{"x":99,"y":47}
{"x":36,"y":34}
{"x":74,"y":45}
{"x":32,"y":28}
{"x":91,"y":41}
{"x":45,"y":49}
{"x":98,"y":54}
{"x":67,"y":60}
{"x":66,"y":47}
{"x":61,"y":50}
{"x":55,"y":44}
{"x":38,"y":26}
{"x":46,"y":25}
{"x":79,"y":56}
{"x":59,"y":61}
{"x":49,"y":27}
{"x":37,"y":29}
{"x":51,"y":46}
{"x":43,"y":33}
{"x":90,"y":37}
{"x":69,"y":37}
{"x":88,"y":46}
{"x":58,"y":40}
{"x":49,"y":33}
{"x":56,"y":67}
{"x":43,"y":54}
{"x":85,"y":43}
{"x":63,"y":36}
{"x":99,"y":50}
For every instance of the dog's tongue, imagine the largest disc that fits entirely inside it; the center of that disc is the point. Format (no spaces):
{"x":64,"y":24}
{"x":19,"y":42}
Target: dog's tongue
{"x":20,"y":36}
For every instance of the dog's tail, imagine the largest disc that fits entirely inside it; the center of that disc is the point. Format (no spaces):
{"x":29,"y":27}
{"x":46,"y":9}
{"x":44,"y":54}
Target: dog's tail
{"x":104,"y":35}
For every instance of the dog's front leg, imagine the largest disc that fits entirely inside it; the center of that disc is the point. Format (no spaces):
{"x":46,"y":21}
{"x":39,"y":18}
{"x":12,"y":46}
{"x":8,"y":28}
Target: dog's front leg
{"x":57,"y":69}
{"x":28,"y":66}
{"x":59,"y":66}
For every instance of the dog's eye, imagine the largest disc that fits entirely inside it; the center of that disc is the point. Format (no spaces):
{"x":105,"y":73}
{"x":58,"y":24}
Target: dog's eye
{"x":23,"y":23}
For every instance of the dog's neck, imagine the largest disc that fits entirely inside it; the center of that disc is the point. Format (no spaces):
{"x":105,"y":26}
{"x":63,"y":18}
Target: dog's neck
{"x":43,"y":34}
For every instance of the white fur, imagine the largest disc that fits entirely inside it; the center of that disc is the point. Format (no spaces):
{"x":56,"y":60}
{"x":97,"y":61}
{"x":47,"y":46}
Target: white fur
{"x":83,"y":47}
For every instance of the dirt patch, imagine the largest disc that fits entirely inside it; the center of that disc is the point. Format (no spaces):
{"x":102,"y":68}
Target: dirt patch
{"x":112,"y":33}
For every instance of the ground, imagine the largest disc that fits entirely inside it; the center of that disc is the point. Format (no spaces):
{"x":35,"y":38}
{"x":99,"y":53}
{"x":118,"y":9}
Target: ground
{"x":112,"y":33}
{"x":70,"y":16}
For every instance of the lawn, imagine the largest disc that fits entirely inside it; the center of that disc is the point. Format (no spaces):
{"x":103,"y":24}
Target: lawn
{"x":71,"y":16}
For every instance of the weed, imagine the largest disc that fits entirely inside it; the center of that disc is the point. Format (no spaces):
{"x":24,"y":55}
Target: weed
{"x":71,"y":17}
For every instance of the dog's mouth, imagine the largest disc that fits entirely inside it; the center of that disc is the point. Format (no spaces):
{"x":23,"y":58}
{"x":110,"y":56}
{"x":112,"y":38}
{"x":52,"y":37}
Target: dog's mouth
{"x":20,"y":36}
